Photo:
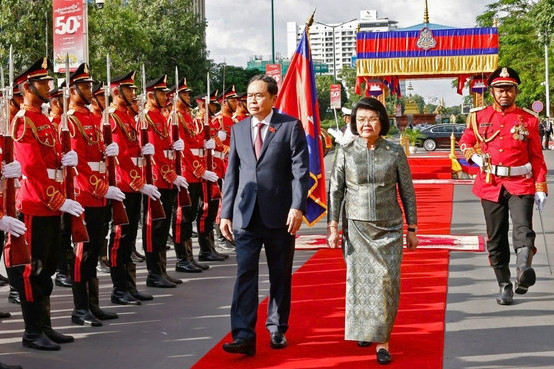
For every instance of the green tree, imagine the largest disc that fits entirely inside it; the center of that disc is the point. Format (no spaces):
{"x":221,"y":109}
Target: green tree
{"x":237,"y":76}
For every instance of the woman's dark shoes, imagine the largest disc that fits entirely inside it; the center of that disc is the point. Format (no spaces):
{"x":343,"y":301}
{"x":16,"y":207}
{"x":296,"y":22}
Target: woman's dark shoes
{"x":85,"y":317}
{"x":364,"y":343}
{"x":39,"y":342}
{"x":238,"y":346}
{"x":383,"y":356}
{"x":277,"y":340}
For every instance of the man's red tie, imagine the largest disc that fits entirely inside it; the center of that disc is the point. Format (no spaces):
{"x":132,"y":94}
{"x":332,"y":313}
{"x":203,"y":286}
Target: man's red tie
{"x":258,"y":142}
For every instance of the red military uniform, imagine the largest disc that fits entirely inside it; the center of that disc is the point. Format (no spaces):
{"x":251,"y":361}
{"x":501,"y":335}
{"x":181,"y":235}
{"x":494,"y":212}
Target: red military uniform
{"x":192,"y":132}
{"x":511,"y":139}
{"x":164,"y":156}
{"x":221,"y":123}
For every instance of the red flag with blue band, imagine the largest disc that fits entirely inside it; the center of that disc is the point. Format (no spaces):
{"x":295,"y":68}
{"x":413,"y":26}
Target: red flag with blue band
{"x":298,"y":98}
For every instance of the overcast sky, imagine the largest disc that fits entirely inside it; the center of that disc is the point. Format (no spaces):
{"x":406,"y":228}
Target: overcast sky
{"x":239,"y":29}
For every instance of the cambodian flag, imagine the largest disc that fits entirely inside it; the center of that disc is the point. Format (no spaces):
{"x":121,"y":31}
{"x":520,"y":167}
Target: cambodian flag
{"x":298,"y":98}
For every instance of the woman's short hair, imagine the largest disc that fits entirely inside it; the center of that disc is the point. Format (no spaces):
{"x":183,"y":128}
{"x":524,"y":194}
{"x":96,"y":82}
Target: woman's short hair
{"x":370,"y":103}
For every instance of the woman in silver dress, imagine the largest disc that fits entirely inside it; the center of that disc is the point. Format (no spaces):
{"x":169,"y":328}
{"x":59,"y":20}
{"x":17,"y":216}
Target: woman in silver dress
{"x":366,"y":175}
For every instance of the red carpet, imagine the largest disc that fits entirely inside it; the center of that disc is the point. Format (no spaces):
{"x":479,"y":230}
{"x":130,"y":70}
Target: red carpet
{"x":431,"y":166}
{"x":434,"y":207}
{"x":316,"y":334}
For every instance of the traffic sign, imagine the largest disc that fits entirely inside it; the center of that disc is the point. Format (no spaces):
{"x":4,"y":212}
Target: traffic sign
{"x":537,"y":106}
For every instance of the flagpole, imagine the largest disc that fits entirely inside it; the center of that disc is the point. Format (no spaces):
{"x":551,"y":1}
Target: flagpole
{"x":272,"y":35}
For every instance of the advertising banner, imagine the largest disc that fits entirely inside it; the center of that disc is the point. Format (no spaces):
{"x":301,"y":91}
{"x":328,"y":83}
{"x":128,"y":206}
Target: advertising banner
{"x":69,"y":33}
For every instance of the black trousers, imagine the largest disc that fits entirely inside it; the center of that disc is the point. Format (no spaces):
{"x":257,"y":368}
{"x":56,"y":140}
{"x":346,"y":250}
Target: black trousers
{"x":207,"y":212}
{"x":124,"y":237}
{"x":83,"y":266}
{"x":185,"y":216}
{"x":156,"y":232}
{"x":520,"y":209}
{"x":279,"y":249}
{"x":34,"y":281}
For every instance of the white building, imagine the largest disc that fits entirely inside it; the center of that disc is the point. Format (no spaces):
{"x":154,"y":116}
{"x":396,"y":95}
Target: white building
{"x":322,"y":40}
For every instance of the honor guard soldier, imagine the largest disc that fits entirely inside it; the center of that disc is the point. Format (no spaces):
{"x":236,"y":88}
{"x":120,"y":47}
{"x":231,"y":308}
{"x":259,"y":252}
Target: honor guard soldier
{"x":156,"y":231}
{"x":93,"y":192}
{"x":241,"y":112}
{"x":131,"y":181}
{"x":192,"y":133}
{"x":41,"y":201}
{"x":503,"y":140}
{"x":211,"y":191}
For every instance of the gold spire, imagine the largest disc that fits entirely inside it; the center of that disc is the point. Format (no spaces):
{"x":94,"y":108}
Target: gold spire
{"x":426,"y":14}
{"x":310,"y":20}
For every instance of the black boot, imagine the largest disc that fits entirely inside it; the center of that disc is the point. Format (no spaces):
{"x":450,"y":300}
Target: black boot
{"x":33,"y":336}
{"x":163,"y":268}
{"x":156,"y":280}
{"x":120,"y":293}
{"x":184,"y":265}
{"x":94,"y":301}
{"x":506,"y":293}
{"x":13,"y":296}
{"x":47,"y":324}
{"x":190,"y":256}
{"x":132,"y":284}
{"x":526,"y":276}
{"x":62,"y":280}
{"x":4,"y":315}
{"x":211,"y":237}
{"x":221,"y":241}
{"x":81,"y":314}
{"x":206,"y":250}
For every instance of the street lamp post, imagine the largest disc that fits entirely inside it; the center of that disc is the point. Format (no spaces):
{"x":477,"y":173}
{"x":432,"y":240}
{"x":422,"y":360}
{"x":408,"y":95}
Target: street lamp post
{"x":272,"y":34}
{"x":546,"y":78}
{"x":334,"y":45}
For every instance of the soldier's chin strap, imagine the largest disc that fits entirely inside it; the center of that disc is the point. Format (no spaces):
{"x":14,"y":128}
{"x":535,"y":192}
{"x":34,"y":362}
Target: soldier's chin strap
{"x":35,"y":92}
{"x":127,"y":102}
{"x":157,"y":99}
{"x":15,"y":103}
{"x":87,"y":102}
{"x":183,"y":100}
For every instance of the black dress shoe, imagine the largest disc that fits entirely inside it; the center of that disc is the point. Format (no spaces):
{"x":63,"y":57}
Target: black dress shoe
{"x":137,"y":258}
{"x":85,"y":317}
{"x":156,"y":280}
{"x":101,"y":314}
{"x":4,"y":315}
{"x":123,"y":298}
{"x":63,"y":280}
{"x":13,"y":297}
{"x":239,"y":346}
{"x":277,"y":340}
{"x":198,"y":265}
{"x":186,"y":266}
{"x":57,"y":336}
{"x":39,"y":342}
{"x":142,"y":296}
{"x":171,"y":279}
{"x":210,"y":256}
{"x":383,"y":356}
{"x":505,"y":294}
{"x":364,"y":343}
{"x":6,"y":366}
{"x":525,"y":280}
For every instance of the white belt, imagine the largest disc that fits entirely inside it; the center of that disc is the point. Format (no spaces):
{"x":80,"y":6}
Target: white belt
{"x":218,"y":154}
{"x":169,"y":154}
{"x":138,"y":160}
{"x":502,"y":171}
{"x":55,"y":174}
{"x":97,"y":166}
{"x":197,"y":152}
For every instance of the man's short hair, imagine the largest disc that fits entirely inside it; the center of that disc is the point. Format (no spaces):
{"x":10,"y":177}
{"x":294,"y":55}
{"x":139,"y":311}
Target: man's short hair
{"x":272,"y":86}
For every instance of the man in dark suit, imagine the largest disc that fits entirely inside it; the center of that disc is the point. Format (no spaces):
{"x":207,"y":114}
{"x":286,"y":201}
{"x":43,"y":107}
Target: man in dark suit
{"x":264,"y":198}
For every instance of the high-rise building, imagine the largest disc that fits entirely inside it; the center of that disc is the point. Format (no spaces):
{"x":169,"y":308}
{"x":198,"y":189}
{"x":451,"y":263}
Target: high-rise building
{"x":335,"y":44}
{"x":200,"y":9}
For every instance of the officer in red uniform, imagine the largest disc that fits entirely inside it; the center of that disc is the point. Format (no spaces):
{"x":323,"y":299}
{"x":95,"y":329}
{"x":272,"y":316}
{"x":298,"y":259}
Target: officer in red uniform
{"x":156,"y":231}
{"x":131,"y":181}
{"x":241,"y":112}
{"x":191,"y":131}
{"x":93,"y":192}
{"x":504,"y":141}
{"x":41,"y":201}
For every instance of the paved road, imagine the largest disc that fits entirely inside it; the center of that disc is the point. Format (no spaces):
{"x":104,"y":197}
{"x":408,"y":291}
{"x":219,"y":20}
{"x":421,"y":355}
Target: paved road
{"x":182,"y":324}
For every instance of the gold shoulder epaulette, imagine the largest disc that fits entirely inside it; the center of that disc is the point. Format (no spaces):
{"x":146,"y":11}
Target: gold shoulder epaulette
{"x":20,"y":113}
{"x":111,"y":109}
{"x":533,"y":113}
{"x":477,"y":109}
{"x":71,"y":112}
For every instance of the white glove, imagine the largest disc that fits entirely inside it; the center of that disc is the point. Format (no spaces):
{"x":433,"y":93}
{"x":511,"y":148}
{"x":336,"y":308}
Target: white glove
{"x":11,"y":170}
{"x":69,"y":159}
{"x":222,"y":135}
{"x":112,"y":149}
{"x":12,"y":225}
{"x":181,"y":182}
{"x":210,"y":176}
{"x":72,"y":207}
{"x":540,"y":200}
{"x":210,"y":144}
{"x":150,"y":191}
{"x":147,"y":149}
{"x":114,"y":193}
{"x":477,"y":159}
{"x":337,"y":134}
{"x":179,"y":145}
